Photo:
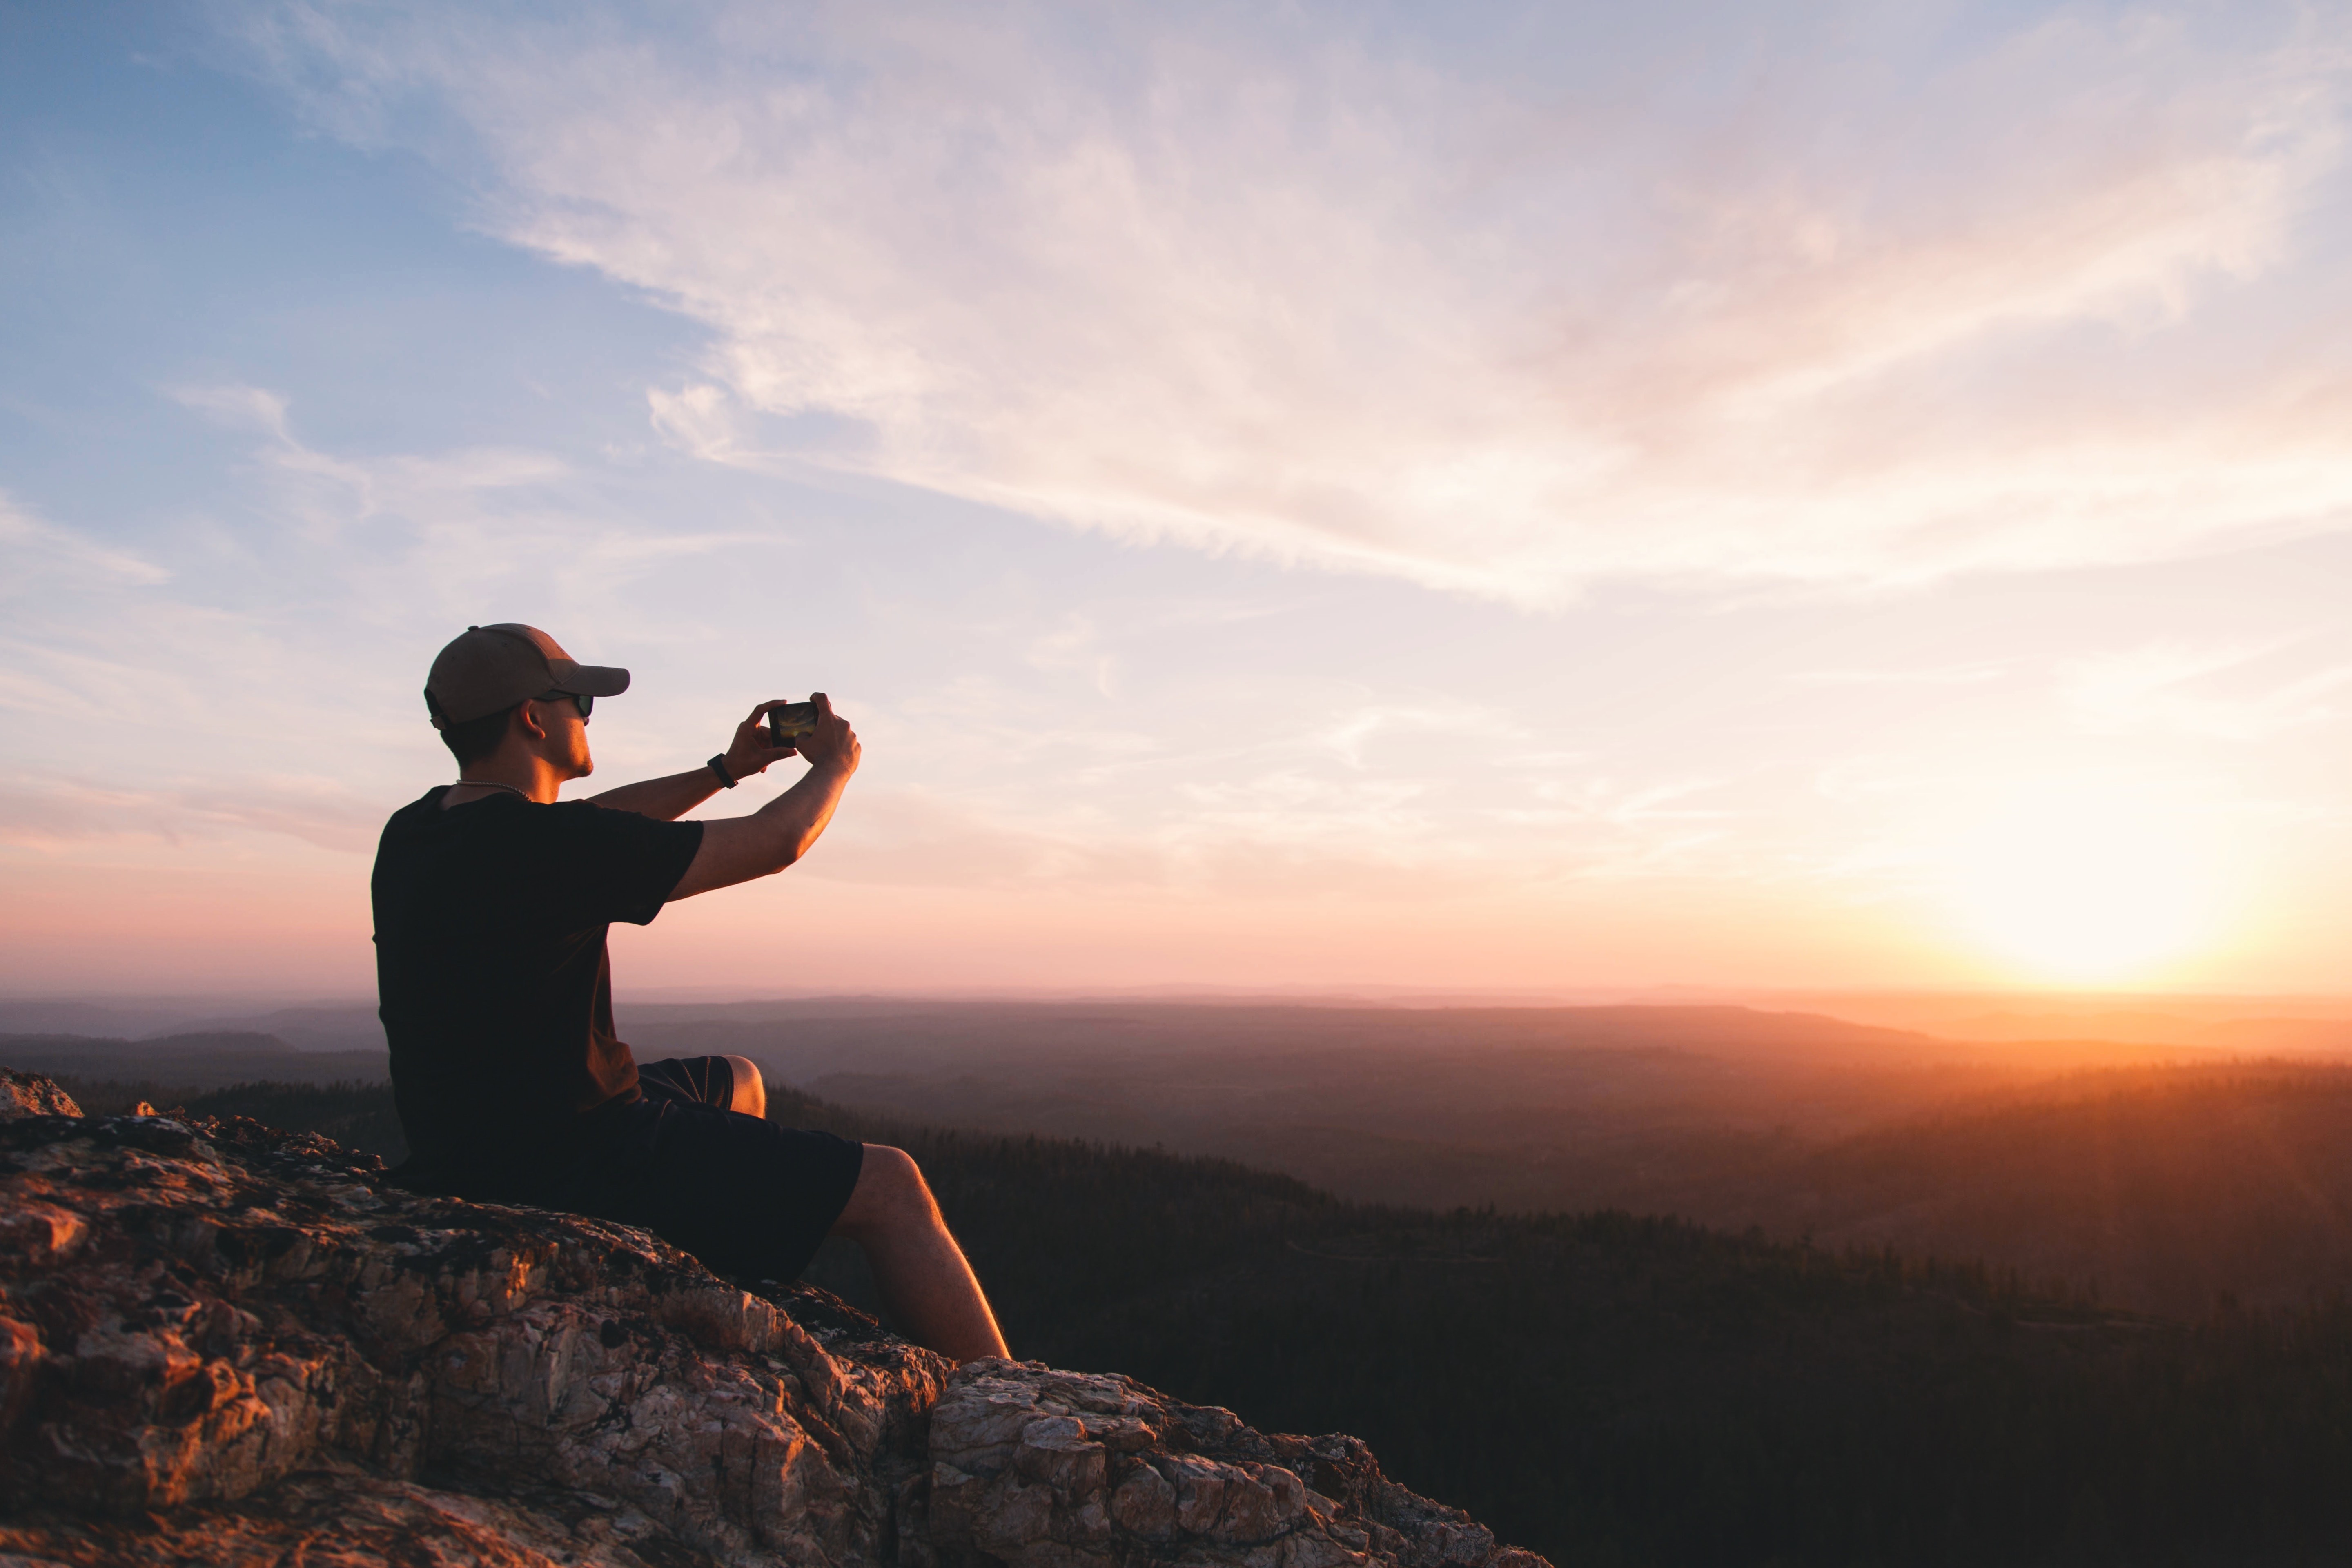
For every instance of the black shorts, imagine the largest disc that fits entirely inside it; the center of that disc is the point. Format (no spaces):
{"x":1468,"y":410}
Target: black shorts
{"x":746,"y":1197}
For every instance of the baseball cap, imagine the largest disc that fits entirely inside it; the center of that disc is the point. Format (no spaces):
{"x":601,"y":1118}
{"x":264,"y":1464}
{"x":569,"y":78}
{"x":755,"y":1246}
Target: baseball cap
{"x":494,"y":667}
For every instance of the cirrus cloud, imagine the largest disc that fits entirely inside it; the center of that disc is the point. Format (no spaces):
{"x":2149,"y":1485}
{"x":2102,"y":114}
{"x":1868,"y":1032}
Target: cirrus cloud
{"x":1874,"y":301}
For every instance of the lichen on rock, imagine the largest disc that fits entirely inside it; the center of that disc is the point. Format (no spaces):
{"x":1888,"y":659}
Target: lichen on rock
{"x":219,"y":1342}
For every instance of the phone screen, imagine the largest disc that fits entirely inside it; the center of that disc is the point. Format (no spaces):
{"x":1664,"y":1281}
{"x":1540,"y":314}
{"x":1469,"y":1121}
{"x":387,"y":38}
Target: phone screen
{"x":792,"y":720}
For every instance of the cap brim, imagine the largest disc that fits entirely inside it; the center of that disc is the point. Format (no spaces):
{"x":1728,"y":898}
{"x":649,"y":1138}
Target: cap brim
{"x":590,"y":680}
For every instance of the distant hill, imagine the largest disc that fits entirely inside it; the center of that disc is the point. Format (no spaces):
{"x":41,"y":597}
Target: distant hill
{"x":108,"y":1046}
{"x":2254,"y":1024}
{"x":1725,"y":1115}
{"x":1437,"y":1105}
{"x":315,"y":1027}
{"x":322,"y":1029}
{"x":2166,"y":1184}
{"x":42,"y":1015}
{"x":823,"y":1035}
{"x":2170,"y":1191}
{"x":187,"y":1061}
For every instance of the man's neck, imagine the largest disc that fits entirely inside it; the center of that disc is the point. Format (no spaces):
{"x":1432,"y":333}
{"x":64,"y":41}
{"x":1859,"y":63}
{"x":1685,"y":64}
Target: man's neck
{"x":532,"y":777}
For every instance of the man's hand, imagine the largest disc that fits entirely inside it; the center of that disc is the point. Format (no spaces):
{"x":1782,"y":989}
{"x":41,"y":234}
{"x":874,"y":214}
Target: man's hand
{"x":738,"y":848}
{"x":750,"y":752}
{"x":833,"y":743}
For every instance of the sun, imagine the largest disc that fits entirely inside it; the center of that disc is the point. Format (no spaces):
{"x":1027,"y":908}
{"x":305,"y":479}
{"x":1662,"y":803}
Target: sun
{"x":2083,"y":884}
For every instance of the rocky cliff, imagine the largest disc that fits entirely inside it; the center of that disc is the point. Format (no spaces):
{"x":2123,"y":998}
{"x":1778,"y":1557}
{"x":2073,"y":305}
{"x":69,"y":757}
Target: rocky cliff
{"x":224,"y":1343}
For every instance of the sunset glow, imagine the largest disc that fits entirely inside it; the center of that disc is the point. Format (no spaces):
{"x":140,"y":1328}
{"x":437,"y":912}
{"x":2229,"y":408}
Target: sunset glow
{"x":2082,"y":885}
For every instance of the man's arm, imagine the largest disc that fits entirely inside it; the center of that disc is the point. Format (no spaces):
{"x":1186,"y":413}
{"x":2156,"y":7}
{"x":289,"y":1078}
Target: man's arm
{"x":671,"y":798}
{"x":738,"y":848}
{"x":667,"y":799}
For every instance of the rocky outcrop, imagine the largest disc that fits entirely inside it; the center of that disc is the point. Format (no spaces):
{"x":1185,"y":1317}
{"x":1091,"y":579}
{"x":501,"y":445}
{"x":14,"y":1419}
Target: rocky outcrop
{"x":30,"y":1094}
{"x":1034,"y":1465}
{"x":221,"y":1344}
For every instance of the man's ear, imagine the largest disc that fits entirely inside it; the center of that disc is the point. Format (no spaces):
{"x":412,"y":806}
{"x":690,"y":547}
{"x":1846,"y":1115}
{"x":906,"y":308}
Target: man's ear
{"x":527,"y":722}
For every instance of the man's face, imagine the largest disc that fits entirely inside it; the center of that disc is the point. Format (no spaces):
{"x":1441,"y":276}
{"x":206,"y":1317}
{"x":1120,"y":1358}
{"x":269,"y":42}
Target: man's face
{"x":566,"y":745}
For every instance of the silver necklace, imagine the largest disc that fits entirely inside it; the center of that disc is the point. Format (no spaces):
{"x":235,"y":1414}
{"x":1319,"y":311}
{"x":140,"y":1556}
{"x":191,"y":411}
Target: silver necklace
{"x":493,"y":783}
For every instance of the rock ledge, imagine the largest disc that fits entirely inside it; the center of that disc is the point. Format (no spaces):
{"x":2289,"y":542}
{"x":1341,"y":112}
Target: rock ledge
{"x":224,"y":1343}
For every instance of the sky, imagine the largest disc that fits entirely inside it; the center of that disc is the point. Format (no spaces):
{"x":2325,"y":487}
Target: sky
{"x":1479,"y":497}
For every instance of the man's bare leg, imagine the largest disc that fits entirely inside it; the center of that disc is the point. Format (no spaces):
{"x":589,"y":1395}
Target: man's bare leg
{"x":750,"y":1095}
{"x":927,"y":1286}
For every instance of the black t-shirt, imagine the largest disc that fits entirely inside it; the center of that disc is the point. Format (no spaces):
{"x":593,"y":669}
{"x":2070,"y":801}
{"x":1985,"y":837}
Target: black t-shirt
{"x":495,"y":988}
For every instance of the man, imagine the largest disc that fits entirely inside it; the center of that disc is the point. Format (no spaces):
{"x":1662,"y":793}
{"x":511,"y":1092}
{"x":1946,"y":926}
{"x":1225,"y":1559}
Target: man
{"x":492,"y":899}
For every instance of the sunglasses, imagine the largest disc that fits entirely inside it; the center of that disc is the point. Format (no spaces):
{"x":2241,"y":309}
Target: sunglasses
{"x":584,"y":701}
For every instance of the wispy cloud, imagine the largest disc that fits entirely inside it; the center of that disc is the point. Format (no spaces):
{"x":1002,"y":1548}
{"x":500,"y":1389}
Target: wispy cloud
{"x":700,"y":420}
{"x":54,"y":814}
{"x":2182,"y":687}
{"x":331,"y":491}
{"x":1075,"y":646}
{"x":41,"y":556}
{"x":1402,"y":728}
{"x":1285,"y":285}
{"x":1975,"y":672}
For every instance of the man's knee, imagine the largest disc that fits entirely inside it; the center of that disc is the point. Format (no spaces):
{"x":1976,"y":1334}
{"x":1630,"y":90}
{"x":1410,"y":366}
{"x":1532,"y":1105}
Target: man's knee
{"x":748,"y":1093}
{"x":890,"y":1194}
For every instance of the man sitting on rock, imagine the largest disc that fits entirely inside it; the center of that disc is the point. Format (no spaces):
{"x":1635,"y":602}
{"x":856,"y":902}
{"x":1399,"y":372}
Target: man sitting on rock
{"x":492,"y":899}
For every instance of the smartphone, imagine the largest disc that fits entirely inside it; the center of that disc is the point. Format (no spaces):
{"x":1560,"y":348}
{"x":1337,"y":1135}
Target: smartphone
{"x":788,"y":723}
